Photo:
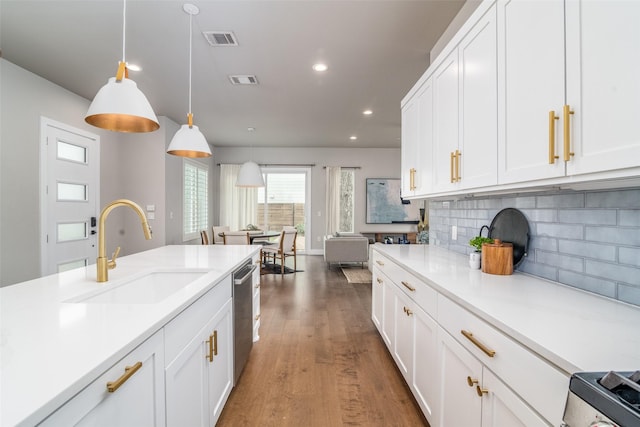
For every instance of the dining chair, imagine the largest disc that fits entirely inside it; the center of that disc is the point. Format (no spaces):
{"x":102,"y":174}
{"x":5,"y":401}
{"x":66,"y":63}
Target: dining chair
{"x":236,"y":238}
{"x":215,"y":232}
{"x":285,"y":249}
{"x":204,"y":238}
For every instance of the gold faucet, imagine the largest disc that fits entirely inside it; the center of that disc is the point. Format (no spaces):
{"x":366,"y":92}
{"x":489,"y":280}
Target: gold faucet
{"x":103,"y":264}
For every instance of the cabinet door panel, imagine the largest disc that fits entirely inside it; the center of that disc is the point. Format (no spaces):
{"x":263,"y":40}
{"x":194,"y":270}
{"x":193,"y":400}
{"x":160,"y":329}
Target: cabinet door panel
{"x":531,"y":72}
{"x":603,"y":65}
{"x":138,"y":402}
{"x":479,"y":104}
{"x":409,"y":153}
{"x":501,"y":407}
{"x":425,"y":364}
{"x":459,"y":403}
{"x":220,"y":376}
{"x":403,"y":353}
{"x":423,"y":175}
{"x":445,"y":123}
{"x":377,"y":298}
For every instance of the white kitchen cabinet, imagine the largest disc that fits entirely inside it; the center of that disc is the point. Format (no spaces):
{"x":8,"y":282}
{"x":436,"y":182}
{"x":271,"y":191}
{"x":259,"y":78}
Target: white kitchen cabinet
{"x":256,"y":299}
{"x":138,"y":398}
{"x":465,"y":111}
{"x":603,"y":89}
{"x":417,"y":140}
{"x":531,"y":76}
{"x":466,"y":383}
{"x":377,"y":298}
{"x":199,"y":370}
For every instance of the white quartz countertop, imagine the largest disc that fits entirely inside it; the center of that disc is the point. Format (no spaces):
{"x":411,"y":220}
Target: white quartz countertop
{"x":573,"y":329}
{"x":50,"y":349}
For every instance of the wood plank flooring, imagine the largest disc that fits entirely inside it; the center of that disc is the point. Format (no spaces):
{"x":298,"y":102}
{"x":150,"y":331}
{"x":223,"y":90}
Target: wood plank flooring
{"x":320,"y":360}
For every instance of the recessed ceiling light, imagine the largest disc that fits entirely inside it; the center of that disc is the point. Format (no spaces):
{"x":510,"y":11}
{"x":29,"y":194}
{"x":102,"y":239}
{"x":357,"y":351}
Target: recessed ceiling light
{"x":353,"y":137}
{"x":367,"y":112}
{"x":320,"y":67}
{"x":251,"y":129}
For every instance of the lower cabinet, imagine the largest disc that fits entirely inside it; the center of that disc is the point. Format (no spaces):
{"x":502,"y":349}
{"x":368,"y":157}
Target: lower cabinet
{"x":130,"y":393}
{"x":256,"y":299}
{"x":200,"y":379}
{"x":466,"y":383}
{"x":453,"y":379}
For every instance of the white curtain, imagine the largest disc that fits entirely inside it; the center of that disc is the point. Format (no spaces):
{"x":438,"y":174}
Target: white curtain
{"x":238,"y":205}
{"x":334,"y":180}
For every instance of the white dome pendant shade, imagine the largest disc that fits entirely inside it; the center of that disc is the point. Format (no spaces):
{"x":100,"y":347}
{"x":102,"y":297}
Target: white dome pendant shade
{"x":119,"y":105}
{"x":189,"y":141}
{"x":250,"y":175}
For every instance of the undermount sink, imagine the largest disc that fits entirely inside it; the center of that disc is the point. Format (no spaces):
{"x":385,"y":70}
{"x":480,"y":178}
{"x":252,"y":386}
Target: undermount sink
{"x":149,"y":288}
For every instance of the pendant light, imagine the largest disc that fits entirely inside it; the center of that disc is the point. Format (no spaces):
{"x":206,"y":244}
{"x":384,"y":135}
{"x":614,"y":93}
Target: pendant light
{"x":189,"y":141}
{"x":250,"y":175}
{"x":119,"y":105}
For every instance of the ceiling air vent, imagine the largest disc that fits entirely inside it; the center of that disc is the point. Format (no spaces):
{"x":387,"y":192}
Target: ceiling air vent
{"x":243,"y":80}
{"x":220,"y":38}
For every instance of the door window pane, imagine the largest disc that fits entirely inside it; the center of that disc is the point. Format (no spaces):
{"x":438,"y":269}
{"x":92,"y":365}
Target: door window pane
{"x":72,"y":231}
{"x":72,"y":192}
{"x":72,"y":152}
{"x":66,"y":266}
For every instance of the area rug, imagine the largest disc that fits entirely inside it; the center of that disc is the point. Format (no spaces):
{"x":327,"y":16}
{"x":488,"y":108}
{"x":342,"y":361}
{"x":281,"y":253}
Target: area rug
{"x":357,"y":275}
{"x":275,"y":269}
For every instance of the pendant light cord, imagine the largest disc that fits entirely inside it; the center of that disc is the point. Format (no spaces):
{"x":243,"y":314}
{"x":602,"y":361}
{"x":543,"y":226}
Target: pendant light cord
{"x":124,"y":32}
{"x":190,"y":55}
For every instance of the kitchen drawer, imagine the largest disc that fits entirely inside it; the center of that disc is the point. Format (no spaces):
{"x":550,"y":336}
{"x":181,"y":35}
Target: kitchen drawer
{"x":518,"y":367}
{"x":423,"y":295}
{"x":179,"y":332}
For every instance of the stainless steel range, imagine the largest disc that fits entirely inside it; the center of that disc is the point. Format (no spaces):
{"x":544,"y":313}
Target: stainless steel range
{"x":603,"y":399}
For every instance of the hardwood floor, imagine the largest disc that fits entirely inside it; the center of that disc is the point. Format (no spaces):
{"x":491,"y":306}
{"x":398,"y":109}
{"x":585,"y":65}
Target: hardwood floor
{"x":320,"y":360}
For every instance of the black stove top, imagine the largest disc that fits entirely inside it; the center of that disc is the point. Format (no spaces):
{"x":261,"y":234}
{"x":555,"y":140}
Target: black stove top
{"x":609,"y":395}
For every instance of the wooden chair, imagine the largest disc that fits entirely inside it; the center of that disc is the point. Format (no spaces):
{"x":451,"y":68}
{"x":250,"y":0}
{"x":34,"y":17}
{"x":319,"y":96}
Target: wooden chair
{"x":204,"y":237}
{"x":236,"y":238}
{"x":285,"y":249}
{"x":216,"y":230}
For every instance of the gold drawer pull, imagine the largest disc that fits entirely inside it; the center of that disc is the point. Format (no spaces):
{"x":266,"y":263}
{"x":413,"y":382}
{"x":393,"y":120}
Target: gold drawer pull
{"x":408,"y":286}
{"x":552,"y":137}
{"x":128,"y":372}
{"x":481,"y":391}
{"x":477,"y":343}
{"x":380,"y":263}
{"x":471,"y":381}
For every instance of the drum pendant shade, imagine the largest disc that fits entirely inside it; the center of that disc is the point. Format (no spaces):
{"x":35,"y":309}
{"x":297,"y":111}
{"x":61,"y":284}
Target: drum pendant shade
{"x":250,"y":175}
{"x":189,"y":142}
{"x":121,"y":107}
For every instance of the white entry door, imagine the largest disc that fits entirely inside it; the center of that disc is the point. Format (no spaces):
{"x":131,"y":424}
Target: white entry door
{"x":70,"y":183}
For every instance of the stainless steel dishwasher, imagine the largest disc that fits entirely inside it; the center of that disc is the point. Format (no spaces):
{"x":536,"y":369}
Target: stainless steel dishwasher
{"x":242,"y":317}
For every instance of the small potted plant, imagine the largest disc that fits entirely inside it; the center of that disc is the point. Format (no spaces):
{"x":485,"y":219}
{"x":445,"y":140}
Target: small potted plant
{"x":476,"y":243}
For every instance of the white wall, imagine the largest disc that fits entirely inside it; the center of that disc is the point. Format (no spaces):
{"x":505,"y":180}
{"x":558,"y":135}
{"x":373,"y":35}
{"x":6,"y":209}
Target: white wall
{"x":373,"y":163}
{"x":465,"y":12}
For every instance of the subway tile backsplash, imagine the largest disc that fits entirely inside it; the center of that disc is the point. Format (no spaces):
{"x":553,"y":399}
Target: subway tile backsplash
{"x":586,"y":239}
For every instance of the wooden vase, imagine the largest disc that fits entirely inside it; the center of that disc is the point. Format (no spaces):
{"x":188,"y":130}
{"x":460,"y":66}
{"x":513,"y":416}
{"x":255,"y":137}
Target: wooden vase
{"x":497,"y":258}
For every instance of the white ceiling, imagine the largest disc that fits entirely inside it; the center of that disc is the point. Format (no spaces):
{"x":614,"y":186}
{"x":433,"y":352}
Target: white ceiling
{"x":375,"y":51}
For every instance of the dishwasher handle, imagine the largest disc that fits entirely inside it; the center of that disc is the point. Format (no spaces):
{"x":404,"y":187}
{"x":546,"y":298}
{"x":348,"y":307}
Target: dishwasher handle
{"x":251,"y":268}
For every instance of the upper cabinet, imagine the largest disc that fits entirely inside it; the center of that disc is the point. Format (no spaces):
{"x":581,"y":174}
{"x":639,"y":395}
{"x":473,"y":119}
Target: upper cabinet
{"x":603,"y":85}
{"x":531,"y":75}
{"x":532,"y":93}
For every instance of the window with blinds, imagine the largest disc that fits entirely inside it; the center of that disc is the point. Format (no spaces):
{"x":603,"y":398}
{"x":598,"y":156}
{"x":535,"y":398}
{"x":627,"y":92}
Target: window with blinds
{"x":195,"y":200}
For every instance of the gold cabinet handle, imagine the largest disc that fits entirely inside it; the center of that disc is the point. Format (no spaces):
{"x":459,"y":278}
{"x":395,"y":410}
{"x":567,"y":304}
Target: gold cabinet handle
{"x":408,"y":286}
{"x":458,"y":155}
{"x":215,"y":343}
{"x":412,"y":179}
{"x":477,"y":343}
{"x":257,"y":317}
{"x":257,"y":286}
{"x":379,"y":280}
{"x":210,"y":354}
{"x":567,"y":112}
{"x":481,"y":391}
{"x":471,"y":381}
{"x":552,"y":137}
{"x":380,"y":263}
{"x":407,"y":311}
{"x":128,"y":372}
{"x":452,"y":160}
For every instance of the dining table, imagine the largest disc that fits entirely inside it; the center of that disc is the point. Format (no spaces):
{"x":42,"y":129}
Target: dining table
{"x":258,"y":234}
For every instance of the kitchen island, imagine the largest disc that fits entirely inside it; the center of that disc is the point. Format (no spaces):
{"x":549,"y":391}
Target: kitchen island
{"x":499,"y":346}
{"x":61,"y":332}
